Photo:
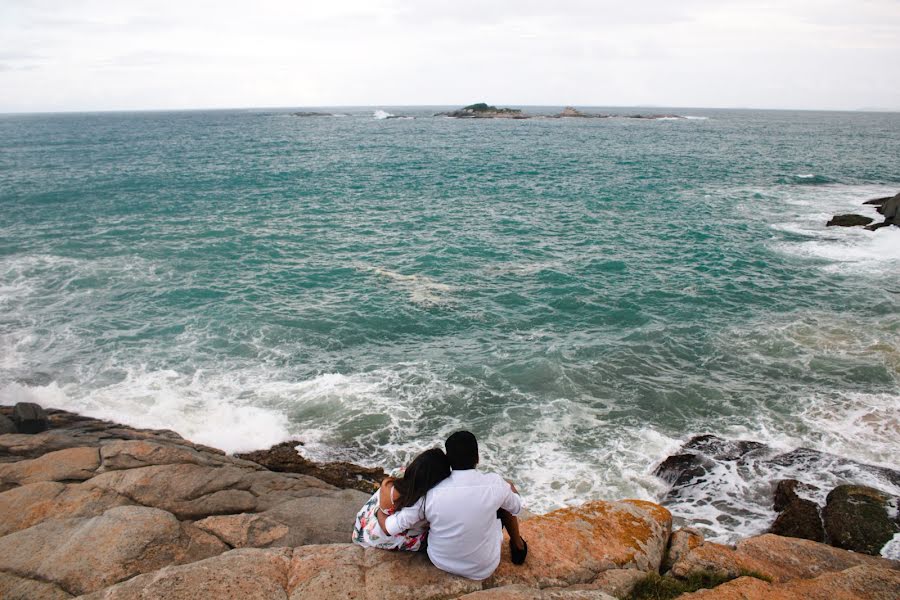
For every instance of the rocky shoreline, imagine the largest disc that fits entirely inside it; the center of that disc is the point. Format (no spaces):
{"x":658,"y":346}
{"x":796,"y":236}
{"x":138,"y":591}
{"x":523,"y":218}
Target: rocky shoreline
{"x":98,"y":510}
{"x":888,"y":207}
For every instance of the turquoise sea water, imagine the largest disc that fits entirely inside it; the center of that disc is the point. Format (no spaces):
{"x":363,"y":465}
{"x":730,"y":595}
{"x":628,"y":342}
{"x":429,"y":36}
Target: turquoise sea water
{"x":584,"y":295}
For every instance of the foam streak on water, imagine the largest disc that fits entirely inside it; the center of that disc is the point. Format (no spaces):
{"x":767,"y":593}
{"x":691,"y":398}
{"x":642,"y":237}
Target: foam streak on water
{"x":583,"y":294}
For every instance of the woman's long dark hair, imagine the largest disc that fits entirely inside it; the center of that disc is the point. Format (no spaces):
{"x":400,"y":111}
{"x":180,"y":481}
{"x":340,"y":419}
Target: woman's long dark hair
{"x":423,"y":473}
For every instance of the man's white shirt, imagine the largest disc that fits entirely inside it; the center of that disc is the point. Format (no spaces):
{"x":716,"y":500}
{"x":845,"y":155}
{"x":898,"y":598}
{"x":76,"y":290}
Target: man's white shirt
{"x":465,"y":533}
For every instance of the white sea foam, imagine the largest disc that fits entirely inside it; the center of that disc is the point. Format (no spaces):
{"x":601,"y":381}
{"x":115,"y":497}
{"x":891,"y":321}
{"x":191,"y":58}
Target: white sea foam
{"x":422,"y":290}
{"x":891,"y":550}
{"x":382,"y":114}
{"x":841,"y":249}
{"x":207,"y":410}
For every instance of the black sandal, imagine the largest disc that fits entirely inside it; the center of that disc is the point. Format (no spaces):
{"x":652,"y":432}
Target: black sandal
{"x":518,"y":556}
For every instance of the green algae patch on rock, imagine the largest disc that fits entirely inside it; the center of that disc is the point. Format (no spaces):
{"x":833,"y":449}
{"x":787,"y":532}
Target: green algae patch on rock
{"x":856,"y":518}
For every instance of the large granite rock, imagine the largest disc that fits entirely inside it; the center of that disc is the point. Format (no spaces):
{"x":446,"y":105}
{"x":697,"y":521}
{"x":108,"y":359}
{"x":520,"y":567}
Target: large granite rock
{"x":71,"y":464}
{"x":188,"y":491}
{"x":28,"y":505}
{"x":573,"y":545}
{"x":13,"y":587}
{"x":856,"y":518}
{"x":131,"y":454}
{"x":248,"y":574}
{"x":776,"y":557}
{"x":317,"y":519}
{"x":245,"y":530}
{"x":856,"y":583}
{"x":681,"y":542}
{"x":81,"y":555}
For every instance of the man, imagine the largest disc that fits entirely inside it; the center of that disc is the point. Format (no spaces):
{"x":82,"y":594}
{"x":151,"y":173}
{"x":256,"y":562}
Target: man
{"x":465,"y":513}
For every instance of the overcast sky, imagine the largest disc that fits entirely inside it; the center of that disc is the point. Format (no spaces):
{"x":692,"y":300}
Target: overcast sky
{"x":58,"y":55}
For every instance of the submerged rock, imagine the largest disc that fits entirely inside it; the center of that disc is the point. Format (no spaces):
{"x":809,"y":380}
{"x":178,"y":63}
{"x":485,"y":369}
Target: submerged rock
{"x":856,"y":518}
{"x":849,"y":220}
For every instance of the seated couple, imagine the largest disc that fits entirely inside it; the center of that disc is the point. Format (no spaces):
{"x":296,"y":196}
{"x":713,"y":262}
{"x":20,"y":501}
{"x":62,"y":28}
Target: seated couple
{"x":455,"y":515}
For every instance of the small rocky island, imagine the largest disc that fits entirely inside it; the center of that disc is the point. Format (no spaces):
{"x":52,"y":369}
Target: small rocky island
{"x":102,"y":511}
{"x":482,"y":110}
{"x":888,"y":206}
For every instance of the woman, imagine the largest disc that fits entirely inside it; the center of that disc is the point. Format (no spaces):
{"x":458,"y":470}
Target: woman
{"x":423,"y":473}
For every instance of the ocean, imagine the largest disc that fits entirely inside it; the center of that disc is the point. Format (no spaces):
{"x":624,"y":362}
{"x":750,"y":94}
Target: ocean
{"x":583,"y":294}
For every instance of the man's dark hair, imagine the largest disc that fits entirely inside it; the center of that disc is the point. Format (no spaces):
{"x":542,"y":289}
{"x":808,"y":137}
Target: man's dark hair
{"x":462,"y":450}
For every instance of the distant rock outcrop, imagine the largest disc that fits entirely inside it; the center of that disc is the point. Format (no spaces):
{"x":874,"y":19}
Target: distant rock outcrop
{"x":481,"y":110}
{"x":572,"y":112}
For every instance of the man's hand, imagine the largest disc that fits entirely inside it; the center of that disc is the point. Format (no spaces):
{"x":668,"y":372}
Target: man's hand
{"x":382,"y":520}
{"x":386,"y":493}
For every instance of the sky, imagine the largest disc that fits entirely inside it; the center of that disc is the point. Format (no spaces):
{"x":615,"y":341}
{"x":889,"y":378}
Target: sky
{"x":71,"y":55}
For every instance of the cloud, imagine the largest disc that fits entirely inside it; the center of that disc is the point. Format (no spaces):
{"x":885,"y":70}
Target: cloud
{"x":163,"y":54}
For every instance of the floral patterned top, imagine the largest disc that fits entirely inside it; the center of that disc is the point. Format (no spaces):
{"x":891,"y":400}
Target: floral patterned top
{"x":367,"y":532}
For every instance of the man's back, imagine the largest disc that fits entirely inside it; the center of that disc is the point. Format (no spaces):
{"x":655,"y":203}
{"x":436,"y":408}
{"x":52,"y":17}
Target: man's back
{"x":465,"y":533}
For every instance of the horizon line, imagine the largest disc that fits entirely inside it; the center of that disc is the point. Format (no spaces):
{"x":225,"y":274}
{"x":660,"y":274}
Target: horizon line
{"x":376,"y":106}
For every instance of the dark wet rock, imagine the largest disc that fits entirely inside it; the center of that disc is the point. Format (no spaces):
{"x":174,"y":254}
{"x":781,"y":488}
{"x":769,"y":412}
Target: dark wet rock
{"x":849,"y":220}
{"x":310,"y":114}
{"x":885,"y":223}
{"x":30,"y":418}
{"x":890,"y":208}
{"x":856,"y":518}
{"x":284,"y":458}
{"x":681,"y":469}
{"x":798,"y":517}
{"x":877,"y":201}
{"x":7,"y":425}
{"x":786,"y":492}
{"x":722,"y":449}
